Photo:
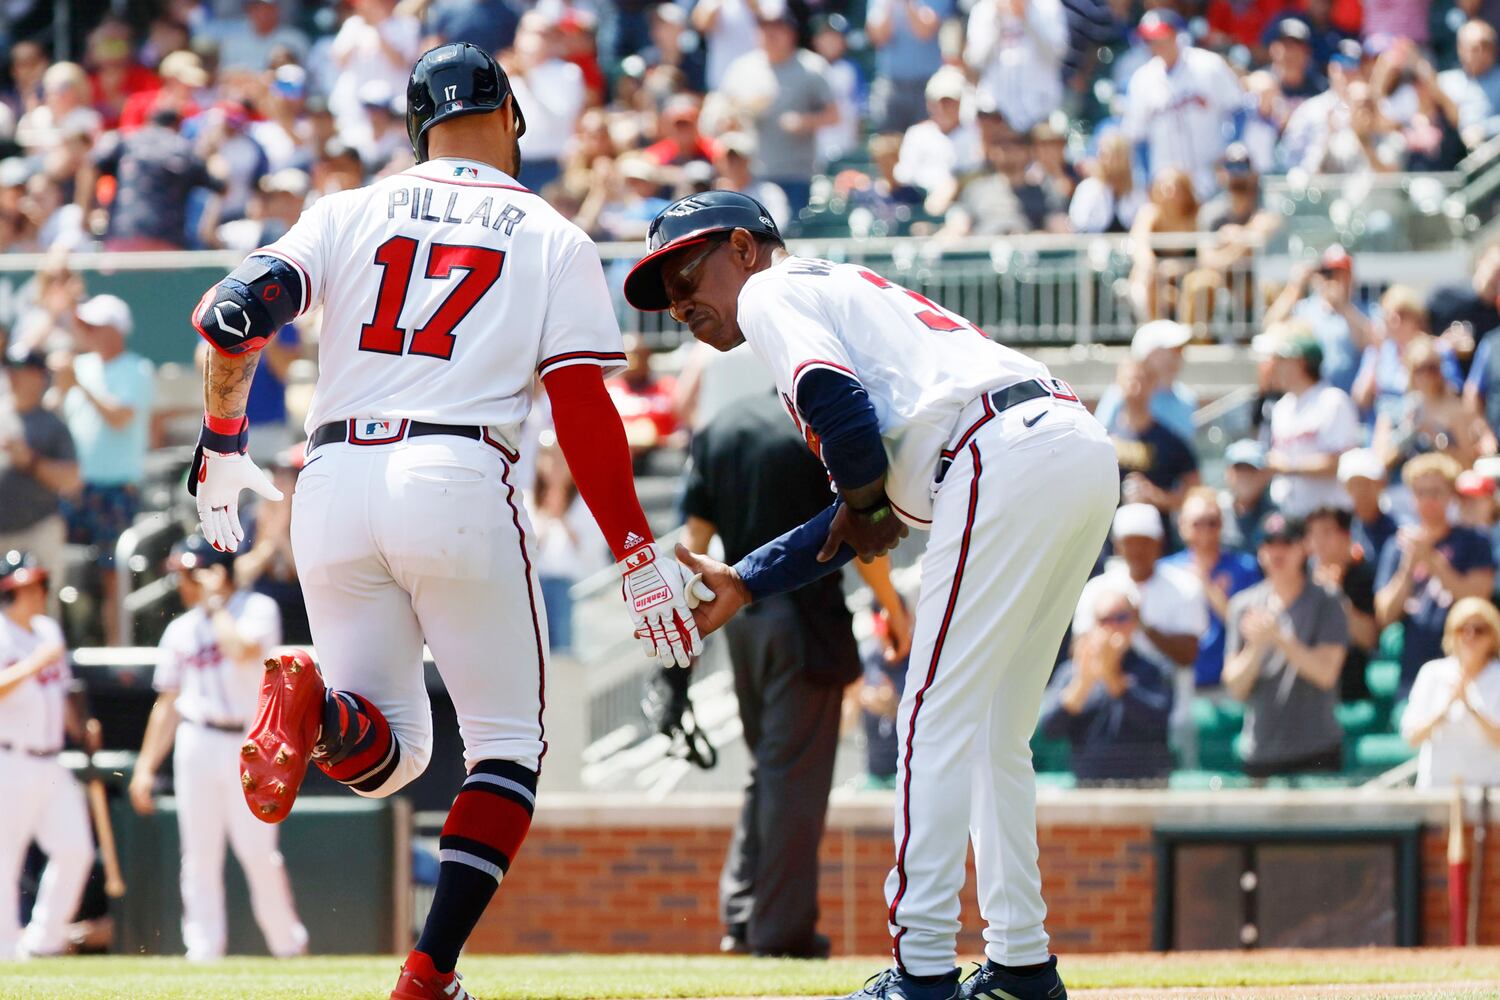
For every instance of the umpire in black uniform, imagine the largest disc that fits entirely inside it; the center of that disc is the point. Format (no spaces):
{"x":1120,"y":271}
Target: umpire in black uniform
{"x":753,"y":478}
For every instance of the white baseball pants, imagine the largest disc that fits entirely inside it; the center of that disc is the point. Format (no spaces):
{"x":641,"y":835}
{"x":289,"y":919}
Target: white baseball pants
{"x":1018,"y":522}
{"x":42,"y":802}
{"x":210,"y":813}
{"x":425,"y":538}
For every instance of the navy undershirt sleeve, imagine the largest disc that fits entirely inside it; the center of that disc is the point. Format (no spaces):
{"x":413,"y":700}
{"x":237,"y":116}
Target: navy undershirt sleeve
{"x":839,"y":411}
{"x":791,"y":561}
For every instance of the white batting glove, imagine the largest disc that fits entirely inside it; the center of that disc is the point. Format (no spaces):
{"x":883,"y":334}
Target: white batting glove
{"x":660,"y":595}
{"x":219,"y":480}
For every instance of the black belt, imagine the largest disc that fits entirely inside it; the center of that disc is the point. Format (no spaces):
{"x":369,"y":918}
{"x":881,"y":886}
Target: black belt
{"x":995,"y":402}
{"x":219,"y":727}
{"x":348,"y":432}
{"x":40,"y":754}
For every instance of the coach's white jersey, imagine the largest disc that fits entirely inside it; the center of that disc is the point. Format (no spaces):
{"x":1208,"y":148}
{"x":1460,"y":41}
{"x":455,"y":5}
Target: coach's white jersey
{"x":919,"y":363}
{"x":31,"y":716}
{"x":446,"y":290}
{"x":1181,"y":113}
{"x":211,"y":688}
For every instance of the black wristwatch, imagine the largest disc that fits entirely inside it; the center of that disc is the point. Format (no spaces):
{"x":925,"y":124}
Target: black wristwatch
{"x":875,"y":512}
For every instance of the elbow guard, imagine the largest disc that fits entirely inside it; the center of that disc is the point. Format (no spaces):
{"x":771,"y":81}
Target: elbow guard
{"x":245,"y":310}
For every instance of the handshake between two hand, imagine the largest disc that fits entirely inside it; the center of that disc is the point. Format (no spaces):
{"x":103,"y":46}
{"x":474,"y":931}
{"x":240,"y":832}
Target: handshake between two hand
{"x":674,"y":603}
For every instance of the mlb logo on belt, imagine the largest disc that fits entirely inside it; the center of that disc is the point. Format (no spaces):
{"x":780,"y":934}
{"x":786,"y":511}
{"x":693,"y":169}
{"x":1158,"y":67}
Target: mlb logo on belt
{"x":369,"y":431}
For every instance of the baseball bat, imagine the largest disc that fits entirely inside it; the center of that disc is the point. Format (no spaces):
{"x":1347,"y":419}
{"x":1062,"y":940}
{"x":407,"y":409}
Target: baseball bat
{"x":1458,"y":870}
{"x":1476,"y":865}
{"x":114,"y":883}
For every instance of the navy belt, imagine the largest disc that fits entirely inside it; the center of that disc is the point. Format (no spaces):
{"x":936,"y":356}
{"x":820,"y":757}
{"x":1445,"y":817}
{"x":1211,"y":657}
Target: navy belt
{"x":998,"y":402}
{"x":375,"y":432}
{"x":40,"y":754}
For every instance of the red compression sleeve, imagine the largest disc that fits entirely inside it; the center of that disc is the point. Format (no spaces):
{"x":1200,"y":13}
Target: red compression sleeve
{"x":592,"y":439}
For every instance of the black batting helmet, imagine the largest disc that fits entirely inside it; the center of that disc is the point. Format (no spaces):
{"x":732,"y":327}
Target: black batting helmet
{"x":17,"y":569}
{"x":195,"y":552}
{"x":683,"y":223}
{"x":451,"y":80}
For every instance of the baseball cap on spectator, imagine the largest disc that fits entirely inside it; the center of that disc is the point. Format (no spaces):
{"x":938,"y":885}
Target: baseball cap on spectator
{"x":680,"y":108}
{"x":1137,"y":520}
{"x":1293,"y":29}
{"x":1236,"y":160}
{"x":1361,"y":463}
{"x":14,"y":172}
{"x":1347,"y":54}
{"x":1336,"y":258}
{"x":377,"y":96}
{"x":1303,"y":347}
{"x":1474,"y":484}
{"x":290,"y":82}
{"x":30,"y":359}
{"x":638,"y":168}
{"x":1158,"y":334}
{"x":1247,"y":451}
{"x":106,"y":310}
{"x":288,"y":180}
{"x":738,"y":143}
{"x":185,"y":67}
{"x":670,"y":13}
{"x":1161,"y":23}
{"x":1277,"y":527}
{"x":776,"y":12}
{"x":947,"y":84}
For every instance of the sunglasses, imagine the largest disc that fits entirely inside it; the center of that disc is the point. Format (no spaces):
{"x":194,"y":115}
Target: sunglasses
{"x":1205,"y":522}
{"x":1118,"y":618}
{"x":1475,"y":629}
{"x":686,"y":272}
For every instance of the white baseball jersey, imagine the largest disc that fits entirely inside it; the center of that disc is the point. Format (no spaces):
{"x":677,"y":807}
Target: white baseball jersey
{"x":1019,"y":59}
{"x":211,"y":688}
{"x":446,"y":289}
{"x":1182,"y":113}
{"x":31,"y":716}
{"x":919,"y":363}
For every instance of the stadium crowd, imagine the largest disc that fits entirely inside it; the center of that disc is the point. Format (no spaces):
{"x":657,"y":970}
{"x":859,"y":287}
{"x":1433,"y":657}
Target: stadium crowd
{"x":1356,"y":525}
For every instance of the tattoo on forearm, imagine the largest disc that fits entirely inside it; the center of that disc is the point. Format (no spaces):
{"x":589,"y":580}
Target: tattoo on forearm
{"x":226,"y":384}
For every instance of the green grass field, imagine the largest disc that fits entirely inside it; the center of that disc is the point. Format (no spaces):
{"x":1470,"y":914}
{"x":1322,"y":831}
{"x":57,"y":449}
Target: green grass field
{"x":1470,"y":973}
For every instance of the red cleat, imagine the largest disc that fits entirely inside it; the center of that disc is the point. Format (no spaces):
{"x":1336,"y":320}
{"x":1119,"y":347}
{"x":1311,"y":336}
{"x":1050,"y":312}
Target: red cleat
{"x":420,"y":981}
{"x":274,"y":757}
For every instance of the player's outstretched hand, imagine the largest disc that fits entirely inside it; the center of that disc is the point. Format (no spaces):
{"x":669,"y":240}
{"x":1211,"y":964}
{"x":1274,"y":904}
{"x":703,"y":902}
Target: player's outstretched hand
{"x":727,"y":592}
{"x":660,"y":594}
{"x":216,"y":482}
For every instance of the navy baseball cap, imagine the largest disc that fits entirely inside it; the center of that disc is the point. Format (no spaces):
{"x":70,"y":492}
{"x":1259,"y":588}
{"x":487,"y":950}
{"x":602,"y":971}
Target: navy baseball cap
{"x":1161,"y":23}
{"x":195,"y":552}
{"x":1348,"y":54}
{"x":1293,"y":29}
{"x":1236,"y":161}
{"x":1278,"y":528}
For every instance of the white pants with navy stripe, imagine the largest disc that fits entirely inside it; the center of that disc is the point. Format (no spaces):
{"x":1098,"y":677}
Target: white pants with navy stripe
{"x":1018,"y":522}
{"x":42,"y":802}
{"x":425,"y":538}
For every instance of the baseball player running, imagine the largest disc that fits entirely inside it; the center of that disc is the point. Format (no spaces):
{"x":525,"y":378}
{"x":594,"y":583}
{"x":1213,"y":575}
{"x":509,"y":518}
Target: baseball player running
{"x":208,"y":674}
{"x":921,"y":421}
{"x":447,"y":289}
{"x":42,"y":801}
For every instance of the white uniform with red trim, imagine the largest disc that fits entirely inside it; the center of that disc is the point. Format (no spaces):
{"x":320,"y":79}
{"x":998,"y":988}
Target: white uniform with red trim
{"x":447,"y":290}
{"x":1018,"y":501}
{"x":216,"y":699}
{"x":42,"y":800}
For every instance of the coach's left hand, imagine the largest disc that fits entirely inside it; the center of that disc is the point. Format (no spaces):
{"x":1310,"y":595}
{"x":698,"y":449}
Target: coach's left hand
{"x":870,"y":534}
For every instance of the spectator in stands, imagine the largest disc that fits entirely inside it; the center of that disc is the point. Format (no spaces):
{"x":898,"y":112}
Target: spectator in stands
{"x":1429,"y":565}
{"x":670,"y":48}
{"x":1240,"y":224}
{"x":1110,"y":703}
{"x":781,"y":93}
{"x":65,"y":107}
{"x":1433,"y":418}
{"x":1180,"y":102}
{"x":1170,"y":606}
{"x":1312,"y":424}
{"x":646,"y":401}
{"x":1476,"y":506}
{"x":1005,"y":198}
{"x":42,"y":467}
{"x":1362,"y":474}
{"x":1158,"y":467}
{"x":1246,"y":500}
{"x":275,"y":209}
{"x":1292,"y":67}
{"x":904,"y":34}
{"x":1159,"y":346}
{"x":1383,"y":379}
{"x":1016,"y":48}
{"x":247,"y":43}
{"x":28,"y":64}
{"x":1367,"y":142}
{"x":1342,"y":567}
{"x":568,"y":545}
{"x":1406,"y":87}
{"x":680,"y":140}
{"x":182,"y":79}
{"x":1322,"y":296}
{"x":265,"y":564}
{"x":45,"y":322}
{"x":1107,"y":199}
{"x":553,"y":92}
{"x":885,"y":197}
{"x":284,"y":131}
{"x":1468,"y":312}
{"x":736,"y":152}
{"x":1156,"y":272}
{"x":1286,"y":643}
{"x":489,"y":24}
{"x":1221,"y":573}
{"x":1453,"y":714}
{"x":728,"y":31}
{"x":938,"y":151}
{"x":155,"y":170}
{"x":1309,"y":127}
{"x":1474,"y":87}
{"x":1050,"y":166}
{"x":106,"y":400}
{"x":830,"y":41}
{"x":376,"y":43}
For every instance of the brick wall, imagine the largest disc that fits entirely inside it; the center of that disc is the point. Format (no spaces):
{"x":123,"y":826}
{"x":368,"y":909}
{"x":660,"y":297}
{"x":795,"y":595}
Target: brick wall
{"x":617,"y":876}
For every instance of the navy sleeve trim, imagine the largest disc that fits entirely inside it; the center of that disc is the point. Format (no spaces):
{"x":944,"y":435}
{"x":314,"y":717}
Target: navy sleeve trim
{"x":837,"y":408}
{"x":791,"y":561}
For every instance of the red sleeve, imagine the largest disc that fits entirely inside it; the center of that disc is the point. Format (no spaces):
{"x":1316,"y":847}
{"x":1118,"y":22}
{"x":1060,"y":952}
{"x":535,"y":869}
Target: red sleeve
{"x":592,"y":439}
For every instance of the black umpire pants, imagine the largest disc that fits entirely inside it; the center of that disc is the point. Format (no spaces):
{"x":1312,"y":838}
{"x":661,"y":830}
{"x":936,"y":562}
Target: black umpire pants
{"x":769,"y":885}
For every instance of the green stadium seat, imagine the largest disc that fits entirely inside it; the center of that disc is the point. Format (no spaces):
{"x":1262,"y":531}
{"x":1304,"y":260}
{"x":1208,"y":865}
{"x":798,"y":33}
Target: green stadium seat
{"x":1390,"y":642}
{"x":1056,"y":779}
{"x":1380,"y":752}
{"x":1358,"y":718}
{"x":1383,"y":678}
{"x":1050,"y":755}
{"x":1206,"y":781}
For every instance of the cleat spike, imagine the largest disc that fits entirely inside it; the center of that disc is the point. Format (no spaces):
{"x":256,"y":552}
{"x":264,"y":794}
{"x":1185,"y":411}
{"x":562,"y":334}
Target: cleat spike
{"x":247,"y":781}
{"x":249,"y":749}
{"x":282,"y":757}
{"x":267,"y":808}
{"x":272,"y":663}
